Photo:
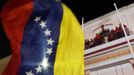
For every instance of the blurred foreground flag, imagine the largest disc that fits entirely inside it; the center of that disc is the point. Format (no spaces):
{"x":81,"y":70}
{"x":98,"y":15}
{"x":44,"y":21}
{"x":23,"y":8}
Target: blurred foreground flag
{"x":45,"y":37}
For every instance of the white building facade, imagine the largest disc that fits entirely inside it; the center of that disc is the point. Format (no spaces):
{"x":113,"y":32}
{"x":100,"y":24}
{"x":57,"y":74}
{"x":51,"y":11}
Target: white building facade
{"x":110,"y":57}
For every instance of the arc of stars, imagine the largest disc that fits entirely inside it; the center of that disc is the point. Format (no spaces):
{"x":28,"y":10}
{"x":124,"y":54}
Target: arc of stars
{"x":45,"y":63}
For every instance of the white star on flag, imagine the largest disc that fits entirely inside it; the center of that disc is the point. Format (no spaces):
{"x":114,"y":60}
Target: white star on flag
{"x":47,"y":32}
{"x":50,"y":41}
{"x":49,"y":51}
{"x":29,"y":73}
{"x":45,"y":63}
{"x":37,"y":19}
{"x":38,"y":69}
{"x":43,"y":24}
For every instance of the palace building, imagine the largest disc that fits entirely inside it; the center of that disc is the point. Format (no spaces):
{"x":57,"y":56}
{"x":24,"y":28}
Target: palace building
{"x":106,"y":47}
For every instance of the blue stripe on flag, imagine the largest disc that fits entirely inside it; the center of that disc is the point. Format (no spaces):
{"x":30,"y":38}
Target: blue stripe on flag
{"x":40,"y":39}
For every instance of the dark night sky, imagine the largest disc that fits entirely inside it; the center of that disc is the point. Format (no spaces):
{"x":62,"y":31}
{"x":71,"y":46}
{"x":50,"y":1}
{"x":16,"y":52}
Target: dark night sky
{"x":89,"y":9}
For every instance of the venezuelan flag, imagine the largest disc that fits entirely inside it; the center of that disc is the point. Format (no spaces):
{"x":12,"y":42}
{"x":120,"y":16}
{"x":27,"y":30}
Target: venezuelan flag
{"x":45,"y":37}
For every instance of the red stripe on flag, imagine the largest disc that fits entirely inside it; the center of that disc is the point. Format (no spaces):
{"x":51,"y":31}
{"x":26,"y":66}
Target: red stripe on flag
{"x":15,"y":16}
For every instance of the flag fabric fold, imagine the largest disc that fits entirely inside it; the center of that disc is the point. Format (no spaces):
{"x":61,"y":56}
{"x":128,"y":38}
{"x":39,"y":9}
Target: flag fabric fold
{"x":45,"y":37}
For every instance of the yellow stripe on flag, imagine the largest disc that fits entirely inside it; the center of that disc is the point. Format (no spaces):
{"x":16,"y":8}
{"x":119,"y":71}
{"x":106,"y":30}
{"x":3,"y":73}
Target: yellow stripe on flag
{"x":70,"y":52}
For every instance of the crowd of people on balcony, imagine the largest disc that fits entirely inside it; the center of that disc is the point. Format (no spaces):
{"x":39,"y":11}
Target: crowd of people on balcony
{"x":106,"y":35}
